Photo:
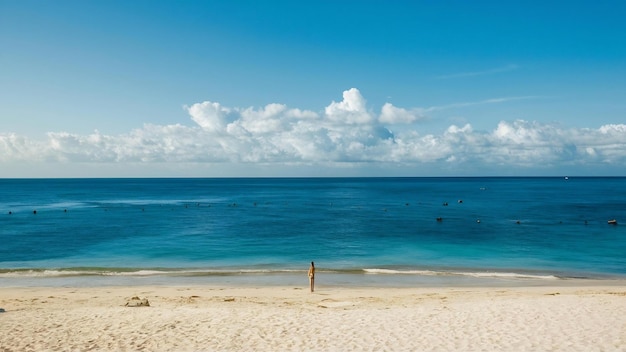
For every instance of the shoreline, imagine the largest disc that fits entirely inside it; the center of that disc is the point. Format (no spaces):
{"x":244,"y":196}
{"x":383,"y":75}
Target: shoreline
{"x":298,"y":278}
{"x":578,"y":316}
{"x":389,"y":277}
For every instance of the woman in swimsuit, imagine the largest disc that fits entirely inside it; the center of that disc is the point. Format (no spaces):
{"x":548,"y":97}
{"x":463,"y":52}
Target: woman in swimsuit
{"x":312,"y":275}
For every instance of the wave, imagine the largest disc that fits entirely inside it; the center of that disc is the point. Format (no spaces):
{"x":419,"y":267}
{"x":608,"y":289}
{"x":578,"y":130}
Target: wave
{"x":486,"y":274}
{"x":69,"y":272}
{"x":198,"y":272}
{"x":109,"y":203}
{"x":205,"y":201}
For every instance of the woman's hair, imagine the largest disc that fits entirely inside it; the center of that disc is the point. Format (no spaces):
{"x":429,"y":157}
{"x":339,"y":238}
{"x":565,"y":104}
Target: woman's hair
{"x":312,"y":264}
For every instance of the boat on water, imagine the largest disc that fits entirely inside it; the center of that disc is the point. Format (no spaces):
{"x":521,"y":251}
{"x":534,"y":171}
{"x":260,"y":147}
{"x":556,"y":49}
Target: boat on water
{"x":612,"y":222}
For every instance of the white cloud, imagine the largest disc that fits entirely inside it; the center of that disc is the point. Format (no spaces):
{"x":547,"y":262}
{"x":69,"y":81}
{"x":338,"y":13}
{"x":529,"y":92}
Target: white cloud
{"x":482,"y":102}
{"x":492,"y":71}
{"x":613,"y":130}
{"x":392,"y":115}
{"x":344,"y":133}
{"x":351,"y":110}
{"x":210,"y":116}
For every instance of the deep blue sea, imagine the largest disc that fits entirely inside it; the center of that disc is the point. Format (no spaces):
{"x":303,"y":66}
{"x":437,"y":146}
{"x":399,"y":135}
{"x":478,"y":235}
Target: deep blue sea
{"x":359,"y":231}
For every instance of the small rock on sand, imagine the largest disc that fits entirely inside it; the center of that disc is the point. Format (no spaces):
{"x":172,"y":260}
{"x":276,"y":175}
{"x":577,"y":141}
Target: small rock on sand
{"x":137,"y":302}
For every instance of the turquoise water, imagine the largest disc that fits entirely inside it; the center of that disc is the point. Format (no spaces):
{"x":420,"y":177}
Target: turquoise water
{"x":90,"y":231}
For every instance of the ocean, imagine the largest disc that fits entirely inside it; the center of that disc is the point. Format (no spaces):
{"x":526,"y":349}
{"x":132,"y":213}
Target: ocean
{"x":266,"y":231}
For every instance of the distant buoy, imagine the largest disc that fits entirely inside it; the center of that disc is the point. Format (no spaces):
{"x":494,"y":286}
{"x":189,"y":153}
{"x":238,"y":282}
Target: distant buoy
{"x":34,"y":211}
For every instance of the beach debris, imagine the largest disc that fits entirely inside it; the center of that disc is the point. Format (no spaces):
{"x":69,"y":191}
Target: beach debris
{"x":137,"y":302}
{"x":229,"y":300}
{"x":2,"y":310}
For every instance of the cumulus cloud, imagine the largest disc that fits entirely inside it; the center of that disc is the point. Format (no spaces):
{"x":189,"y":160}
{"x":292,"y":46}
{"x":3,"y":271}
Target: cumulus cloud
{"x":210,"y":116}
{"x":343,"y":132}
{"x":393,"y":115}
{"x":351,"y":110}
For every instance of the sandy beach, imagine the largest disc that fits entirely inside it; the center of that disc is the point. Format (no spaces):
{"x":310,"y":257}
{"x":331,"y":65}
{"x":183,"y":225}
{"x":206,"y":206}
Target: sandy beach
{"x":207,"y":318}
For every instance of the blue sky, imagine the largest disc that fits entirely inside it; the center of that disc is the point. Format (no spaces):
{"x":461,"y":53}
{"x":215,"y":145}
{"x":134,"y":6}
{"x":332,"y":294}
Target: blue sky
{"x":312,"y":88}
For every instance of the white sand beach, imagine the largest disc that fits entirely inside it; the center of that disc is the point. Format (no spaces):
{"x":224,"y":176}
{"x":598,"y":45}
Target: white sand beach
{"x":207,"y":318}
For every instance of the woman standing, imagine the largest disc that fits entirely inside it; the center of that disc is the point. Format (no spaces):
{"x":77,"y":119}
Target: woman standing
{"x":312,"y":275}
